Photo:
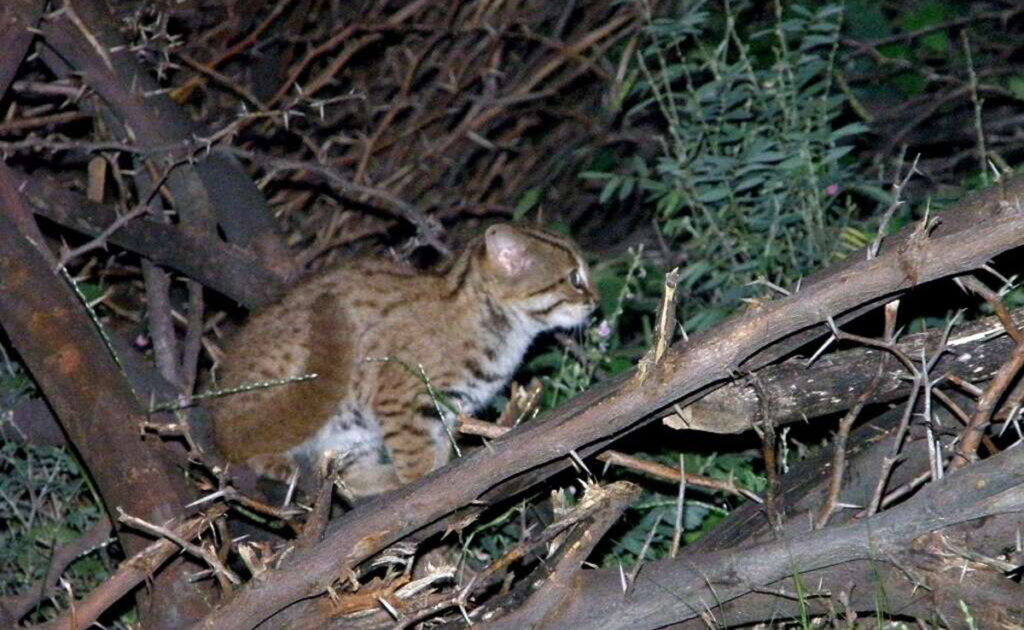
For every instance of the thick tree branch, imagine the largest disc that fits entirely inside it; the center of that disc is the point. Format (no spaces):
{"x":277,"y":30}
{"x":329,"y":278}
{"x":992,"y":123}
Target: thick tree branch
{"x":237,"y":272}
{"x":799,"y":391}
{"x":48,"y":326}
{"x":32,"y":421}
{"x":945,"y":581}
{"x":218,"y":189}
{"x":981,"y":205}
{"x":17,"y":17}
{"x":676,"y":590}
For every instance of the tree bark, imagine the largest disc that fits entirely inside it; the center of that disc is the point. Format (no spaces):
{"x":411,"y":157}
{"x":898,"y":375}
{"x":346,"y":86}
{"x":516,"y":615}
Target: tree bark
{"x":48,"y":326}
{"x":676,"y":590}
{"x":218,"y":190}
{"x":230,"y":270}
{"x":799,"y":392}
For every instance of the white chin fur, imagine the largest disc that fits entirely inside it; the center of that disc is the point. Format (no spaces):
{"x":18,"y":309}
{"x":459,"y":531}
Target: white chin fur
{"x":570,"y":316}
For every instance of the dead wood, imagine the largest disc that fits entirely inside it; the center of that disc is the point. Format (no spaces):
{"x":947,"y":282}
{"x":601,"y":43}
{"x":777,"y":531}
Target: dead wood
{"x":48,"y":326}
{"x":604,"y":411}
{"x":471,"y":426}
{"x":543,"y":594}
{"x":924,"y":584}
{"x":799,"y":390}
{"x":987,"y":202}
{"x":916,"y":581}
{"x":675,"y":590}
{"x":218,"y":191}
{"x":132,"y":572}
{"x":238,"y":273}
{"x":32,"y":421}
{"x":405,"y":145}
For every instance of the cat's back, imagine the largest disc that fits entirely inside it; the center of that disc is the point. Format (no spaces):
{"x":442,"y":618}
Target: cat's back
{"x":327,"y":325}
{"x":364,"y":292}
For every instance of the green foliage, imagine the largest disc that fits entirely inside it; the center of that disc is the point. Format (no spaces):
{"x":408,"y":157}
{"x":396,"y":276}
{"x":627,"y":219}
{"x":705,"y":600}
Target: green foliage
{"x":754,"y":171}
{"x":656,"y":508}
{"x":45,"y":502}
{"x":754,"y":180}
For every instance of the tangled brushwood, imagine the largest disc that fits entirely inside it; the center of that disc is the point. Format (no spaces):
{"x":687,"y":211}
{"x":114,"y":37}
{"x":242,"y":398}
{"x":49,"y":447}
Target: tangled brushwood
{"x":799,"y":404}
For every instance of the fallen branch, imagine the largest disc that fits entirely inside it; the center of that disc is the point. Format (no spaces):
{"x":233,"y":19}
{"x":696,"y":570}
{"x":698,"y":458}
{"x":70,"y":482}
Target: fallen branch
{"x":132,"y":572}
{"x":238,"y":274}
{"x":672,"y":591}
{"x":49,"y":327}
{"x":551,"y":589}
{"x":206,"y":554}
{"x":975,"y":429}
{"x":798,"y":393}
{"x":217,"y":191}
{"x":472,"y":426}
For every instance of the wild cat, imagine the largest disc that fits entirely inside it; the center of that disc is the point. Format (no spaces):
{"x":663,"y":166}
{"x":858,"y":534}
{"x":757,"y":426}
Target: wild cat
{"x":376,"y":334}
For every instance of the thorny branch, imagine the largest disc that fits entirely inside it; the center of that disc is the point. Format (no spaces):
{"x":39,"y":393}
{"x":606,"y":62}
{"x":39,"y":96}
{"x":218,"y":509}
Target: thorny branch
{"x":471,"y":426}
{"x":131,"y":573}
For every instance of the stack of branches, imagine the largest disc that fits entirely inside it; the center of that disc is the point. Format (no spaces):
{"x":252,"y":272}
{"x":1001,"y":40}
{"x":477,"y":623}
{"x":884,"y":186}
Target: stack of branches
{"x":900,"y":502}
{"x":363,"y":118}
{"x":917,"y":504}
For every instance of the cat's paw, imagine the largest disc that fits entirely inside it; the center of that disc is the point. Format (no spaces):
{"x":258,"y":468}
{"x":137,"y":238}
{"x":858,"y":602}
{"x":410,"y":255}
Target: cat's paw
{"x":276,"y":466}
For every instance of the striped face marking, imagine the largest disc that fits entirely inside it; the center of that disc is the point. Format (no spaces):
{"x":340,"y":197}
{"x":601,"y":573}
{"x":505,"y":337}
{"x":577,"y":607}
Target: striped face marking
{"x":539,"y":275}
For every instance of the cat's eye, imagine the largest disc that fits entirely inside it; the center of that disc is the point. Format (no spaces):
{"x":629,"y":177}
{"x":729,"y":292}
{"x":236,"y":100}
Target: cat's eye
{"x":576,"y":279}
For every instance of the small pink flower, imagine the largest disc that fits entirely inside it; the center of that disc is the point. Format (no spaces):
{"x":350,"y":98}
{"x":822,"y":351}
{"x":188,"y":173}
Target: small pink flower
{"x":604,"y":329}
{"x":832,"y":190}
{"x":142,"y":342}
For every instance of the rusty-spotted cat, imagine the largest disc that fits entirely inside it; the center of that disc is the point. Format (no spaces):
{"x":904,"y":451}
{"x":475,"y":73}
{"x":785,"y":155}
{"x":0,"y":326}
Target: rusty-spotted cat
{"x":366,"y":329}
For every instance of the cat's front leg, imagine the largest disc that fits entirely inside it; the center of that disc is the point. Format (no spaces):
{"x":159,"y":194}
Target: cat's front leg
{"x":412,"y":432}
{"x":278,"y":466}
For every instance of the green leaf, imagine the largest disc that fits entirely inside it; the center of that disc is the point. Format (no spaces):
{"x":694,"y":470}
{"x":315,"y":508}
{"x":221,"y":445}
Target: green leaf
{"x":865,"y":20}
{"x":90,"y":291}
{"x":1016,"y":85}
{"x":715,"y":194}
{"x":526,"y":203}
{"x":851,"y":129}
{"x":608,"y":190}
{"x":929,"y":14}
{"x":910,"y":83}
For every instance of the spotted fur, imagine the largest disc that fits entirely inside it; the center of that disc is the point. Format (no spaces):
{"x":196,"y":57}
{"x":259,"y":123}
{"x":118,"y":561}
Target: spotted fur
{"x":367,"y":329}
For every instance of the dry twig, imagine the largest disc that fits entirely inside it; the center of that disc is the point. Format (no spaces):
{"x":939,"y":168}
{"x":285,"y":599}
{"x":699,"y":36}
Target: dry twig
{"x":472,"y":426}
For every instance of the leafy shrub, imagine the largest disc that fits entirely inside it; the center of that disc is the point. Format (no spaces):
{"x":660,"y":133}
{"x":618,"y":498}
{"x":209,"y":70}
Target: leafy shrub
{"x":45,"y":502}
{"x":753,"y":172}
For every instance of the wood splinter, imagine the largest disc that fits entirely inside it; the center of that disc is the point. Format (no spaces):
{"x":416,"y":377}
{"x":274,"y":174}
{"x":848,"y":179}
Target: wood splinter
{"x":665,"y":328}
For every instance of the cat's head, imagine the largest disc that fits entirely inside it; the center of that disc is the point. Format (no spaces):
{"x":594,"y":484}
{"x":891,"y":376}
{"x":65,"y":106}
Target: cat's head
{"x":539,"y":274}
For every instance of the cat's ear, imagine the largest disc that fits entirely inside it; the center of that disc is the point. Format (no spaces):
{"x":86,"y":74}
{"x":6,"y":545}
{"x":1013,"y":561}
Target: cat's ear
{"x":506,"y":250}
